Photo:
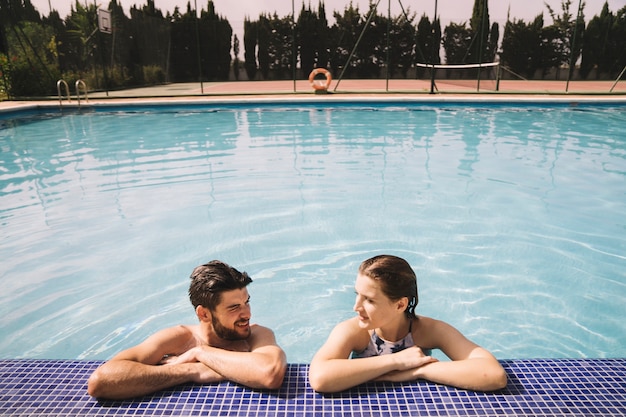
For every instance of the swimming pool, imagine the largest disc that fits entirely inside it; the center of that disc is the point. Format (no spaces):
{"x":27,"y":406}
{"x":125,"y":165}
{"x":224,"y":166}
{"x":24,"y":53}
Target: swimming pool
{"x":511,"y":215}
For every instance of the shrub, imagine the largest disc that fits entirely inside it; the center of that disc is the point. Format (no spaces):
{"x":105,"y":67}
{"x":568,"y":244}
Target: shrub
{"x":153,"y":74}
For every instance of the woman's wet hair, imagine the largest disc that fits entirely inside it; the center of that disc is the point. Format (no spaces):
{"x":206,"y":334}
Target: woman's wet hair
{"x":396,"y":277}
{"x":210,"y":280}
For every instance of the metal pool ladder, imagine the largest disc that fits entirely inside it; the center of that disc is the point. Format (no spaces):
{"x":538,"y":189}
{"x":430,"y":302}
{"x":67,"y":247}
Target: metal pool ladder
{"x":67,"y":92}
{"x":80,"y":84}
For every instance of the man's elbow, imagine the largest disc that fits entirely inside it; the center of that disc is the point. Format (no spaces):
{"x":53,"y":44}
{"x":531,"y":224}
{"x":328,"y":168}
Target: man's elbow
{"x":274,"y":380}
{"x":100,"y":385}
{"x":272,"y":377}
{"x":95,"y":385}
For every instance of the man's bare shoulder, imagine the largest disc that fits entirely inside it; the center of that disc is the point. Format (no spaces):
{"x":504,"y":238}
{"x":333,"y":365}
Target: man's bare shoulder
{"x":261,"y":336}
{"x":257,"y":328}
{"x":181,"y":332}
{"x":173,"y":340}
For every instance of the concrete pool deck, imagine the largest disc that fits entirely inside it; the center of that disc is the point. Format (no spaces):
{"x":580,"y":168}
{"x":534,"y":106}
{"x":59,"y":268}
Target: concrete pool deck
{"x":360,"y":87}
{"x":410,"y":89}
{"x":365,"y":87}
{"x":348,"y":90}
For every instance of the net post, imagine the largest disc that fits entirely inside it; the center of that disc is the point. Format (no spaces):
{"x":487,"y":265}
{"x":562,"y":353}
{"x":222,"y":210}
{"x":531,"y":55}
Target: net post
{"x":617,"y":80}
{"x":498,"y":77}
{"x":432,"y":75}
{"x":432,"y":80}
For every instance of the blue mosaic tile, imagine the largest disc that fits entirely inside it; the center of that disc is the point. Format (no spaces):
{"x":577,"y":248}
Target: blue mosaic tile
{"x":547,"y":387}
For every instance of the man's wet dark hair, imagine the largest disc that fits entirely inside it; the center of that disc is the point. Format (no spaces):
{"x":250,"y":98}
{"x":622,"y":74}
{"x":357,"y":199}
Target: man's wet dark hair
{"x":210,"y":280}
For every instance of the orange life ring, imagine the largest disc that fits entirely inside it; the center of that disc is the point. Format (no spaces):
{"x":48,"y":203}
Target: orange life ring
{"x":320,"y":84}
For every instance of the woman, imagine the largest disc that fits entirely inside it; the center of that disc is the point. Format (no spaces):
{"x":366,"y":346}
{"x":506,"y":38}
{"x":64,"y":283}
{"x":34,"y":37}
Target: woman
{"x":386,"y":341}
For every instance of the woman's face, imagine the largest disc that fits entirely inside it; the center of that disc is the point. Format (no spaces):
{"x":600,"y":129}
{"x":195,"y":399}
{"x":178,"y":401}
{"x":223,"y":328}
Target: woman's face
{"x":372,"y":306}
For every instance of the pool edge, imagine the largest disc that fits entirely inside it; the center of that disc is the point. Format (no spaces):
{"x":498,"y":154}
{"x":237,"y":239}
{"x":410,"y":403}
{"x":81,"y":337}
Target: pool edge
{"x":546,"y":387}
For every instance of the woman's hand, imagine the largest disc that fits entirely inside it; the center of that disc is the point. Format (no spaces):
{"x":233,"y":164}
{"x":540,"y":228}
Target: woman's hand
{"x":409,"y":361}
{"x":411,"y":358}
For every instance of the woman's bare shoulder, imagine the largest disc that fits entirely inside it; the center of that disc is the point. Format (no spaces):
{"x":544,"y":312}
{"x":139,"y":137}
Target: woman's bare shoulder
{"x":424,"y":322}
{"x":344,"y":338}
{"x":350,"y":330}
{"x":350,"y":326}
{"x":438,"y":334}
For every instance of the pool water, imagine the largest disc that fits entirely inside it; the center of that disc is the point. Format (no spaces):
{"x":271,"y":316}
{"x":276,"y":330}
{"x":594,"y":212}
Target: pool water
{"x":512,"y":216}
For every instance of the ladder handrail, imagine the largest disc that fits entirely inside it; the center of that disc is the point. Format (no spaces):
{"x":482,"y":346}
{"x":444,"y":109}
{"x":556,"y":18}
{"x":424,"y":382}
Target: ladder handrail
{"x":77,"y":87}
{"x":67,"y":92}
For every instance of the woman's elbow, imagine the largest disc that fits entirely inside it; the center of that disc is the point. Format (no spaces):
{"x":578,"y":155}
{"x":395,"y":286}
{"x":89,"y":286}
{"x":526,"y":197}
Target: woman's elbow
{"x":501,"y":380}
{"x":316,"y":382}
{"x":319,"y":381}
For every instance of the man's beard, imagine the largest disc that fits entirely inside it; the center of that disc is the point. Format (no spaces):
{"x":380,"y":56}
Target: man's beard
{"x":226,"y":333}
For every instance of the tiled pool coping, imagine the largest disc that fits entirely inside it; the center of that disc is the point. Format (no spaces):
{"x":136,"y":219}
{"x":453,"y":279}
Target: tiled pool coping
{"x":537,"y":387}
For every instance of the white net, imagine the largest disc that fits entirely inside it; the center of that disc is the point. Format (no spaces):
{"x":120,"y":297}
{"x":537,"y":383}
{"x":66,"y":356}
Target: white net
{"x":461,"y":77}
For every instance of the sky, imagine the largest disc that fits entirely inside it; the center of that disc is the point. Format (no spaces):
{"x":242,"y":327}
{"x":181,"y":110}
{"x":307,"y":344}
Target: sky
{"x":457,"y":11}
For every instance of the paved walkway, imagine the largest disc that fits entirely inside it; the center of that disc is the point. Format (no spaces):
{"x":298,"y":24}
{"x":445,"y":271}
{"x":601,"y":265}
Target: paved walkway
{"x":445,"y":89}
{"x":371,"y":87}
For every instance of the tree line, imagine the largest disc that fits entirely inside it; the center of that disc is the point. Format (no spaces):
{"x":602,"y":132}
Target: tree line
{"x":149,"y":47}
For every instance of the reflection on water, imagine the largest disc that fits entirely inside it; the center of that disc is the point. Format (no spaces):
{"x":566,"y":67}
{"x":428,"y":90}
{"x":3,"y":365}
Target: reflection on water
{"x":512,"y":218}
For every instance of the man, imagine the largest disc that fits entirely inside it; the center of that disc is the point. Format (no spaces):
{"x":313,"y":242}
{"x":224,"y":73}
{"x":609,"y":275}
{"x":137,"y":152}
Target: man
{"x":223,"y":346}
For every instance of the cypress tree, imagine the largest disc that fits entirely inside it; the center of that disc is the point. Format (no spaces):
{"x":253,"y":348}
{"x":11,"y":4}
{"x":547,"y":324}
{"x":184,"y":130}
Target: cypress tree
{"x":250,"y":45}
